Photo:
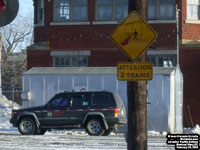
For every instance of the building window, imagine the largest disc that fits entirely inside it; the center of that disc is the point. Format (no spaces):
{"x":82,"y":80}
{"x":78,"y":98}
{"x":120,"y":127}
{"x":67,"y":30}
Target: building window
{"x":64,"y":10}
{"x":71,"y":10}
{"x":40,"y":11}
{"x":193,"y":9}
{"x":162,"y":61}
{"x":161,"y":9}
{"x":108,"y":10}
{"x":70,"y":61}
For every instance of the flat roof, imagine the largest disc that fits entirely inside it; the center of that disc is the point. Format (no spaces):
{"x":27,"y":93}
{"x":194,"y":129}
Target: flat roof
{"x":87,"y":70}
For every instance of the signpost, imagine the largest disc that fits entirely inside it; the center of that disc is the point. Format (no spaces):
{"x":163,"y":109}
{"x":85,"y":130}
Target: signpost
{"x":127,"y":71}
{"x":133,"y":36}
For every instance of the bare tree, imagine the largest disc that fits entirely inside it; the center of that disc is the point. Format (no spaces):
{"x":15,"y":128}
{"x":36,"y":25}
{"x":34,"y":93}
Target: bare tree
{"x":16,"y":33}
{"x":15,"y":36}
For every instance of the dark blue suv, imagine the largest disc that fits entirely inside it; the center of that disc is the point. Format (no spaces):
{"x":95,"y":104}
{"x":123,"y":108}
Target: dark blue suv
{"x":99,"y":112}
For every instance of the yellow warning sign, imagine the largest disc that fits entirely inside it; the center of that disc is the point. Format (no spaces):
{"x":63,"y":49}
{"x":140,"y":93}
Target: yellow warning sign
{"x":127,"y":71}
{"x":133,"y":35}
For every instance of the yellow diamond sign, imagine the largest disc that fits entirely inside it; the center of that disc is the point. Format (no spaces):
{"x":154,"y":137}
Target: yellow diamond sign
{"x":133,"y":35}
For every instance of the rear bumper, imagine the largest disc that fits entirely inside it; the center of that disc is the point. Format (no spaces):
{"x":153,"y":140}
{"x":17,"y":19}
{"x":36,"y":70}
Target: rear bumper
{"x":122,"y":120}
{"x":116,"y":121}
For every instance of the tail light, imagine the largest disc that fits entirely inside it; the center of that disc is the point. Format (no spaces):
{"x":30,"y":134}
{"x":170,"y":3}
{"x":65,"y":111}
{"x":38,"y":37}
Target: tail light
{"x":116,"y":111}
{"x":13,"y":115}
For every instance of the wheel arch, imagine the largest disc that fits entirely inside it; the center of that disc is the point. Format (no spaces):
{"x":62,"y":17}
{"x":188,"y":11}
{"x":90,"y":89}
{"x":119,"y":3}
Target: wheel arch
{"x":96,"y":114}
{"x":31,"y":115}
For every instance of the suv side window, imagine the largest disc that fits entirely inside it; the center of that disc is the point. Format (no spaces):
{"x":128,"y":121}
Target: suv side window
{"x":60,"y":101}
{"x":79,"y":101}
{"x":101,"y":99}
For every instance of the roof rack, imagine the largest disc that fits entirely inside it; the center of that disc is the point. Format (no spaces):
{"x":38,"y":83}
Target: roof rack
{"x":82,"y":89}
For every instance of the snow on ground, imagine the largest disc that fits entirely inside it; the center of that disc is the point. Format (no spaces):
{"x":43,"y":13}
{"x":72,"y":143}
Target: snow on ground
{"x":6,"y":107}
{"x":69,"y":139}
{"x":72,"y":140}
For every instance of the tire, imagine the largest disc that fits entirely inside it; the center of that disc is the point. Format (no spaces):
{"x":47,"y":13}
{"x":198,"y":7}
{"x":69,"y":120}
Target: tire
{"x":95,"y":127}
{"x":41,"y":132}
{"x":107,"y":132}
{"x":27,"y":126}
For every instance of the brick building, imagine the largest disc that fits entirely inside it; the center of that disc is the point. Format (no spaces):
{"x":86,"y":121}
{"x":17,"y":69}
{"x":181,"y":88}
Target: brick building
{"x":77,"y":33}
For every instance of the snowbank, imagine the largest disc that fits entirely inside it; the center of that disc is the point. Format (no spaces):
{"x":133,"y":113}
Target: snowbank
{"x":6,"y":107}
{"x":195,"y":130}
{"x":156,"y":133}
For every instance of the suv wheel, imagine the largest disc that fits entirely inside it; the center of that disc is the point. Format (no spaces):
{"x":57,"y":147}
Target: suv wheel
{"x":27,"y":126}
{"x":95,"y":127}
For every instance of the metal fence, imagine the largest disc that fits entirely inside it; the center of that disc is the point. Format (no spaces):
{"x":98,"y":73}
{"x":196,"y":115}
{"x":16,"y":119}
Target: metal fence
{"x":12,"y":93}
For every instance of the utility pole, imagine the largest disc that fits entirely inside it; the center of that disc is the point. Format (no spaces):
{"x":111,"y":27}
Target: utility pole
{"x":137,"y":96}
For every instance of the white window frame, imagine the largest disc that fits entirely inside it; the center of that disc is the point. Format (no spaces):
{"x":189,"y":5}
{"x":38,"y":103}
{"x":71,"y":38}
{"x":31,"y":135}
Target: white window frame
{"x":114,"y":16}
{"x":163,"y":60}
{"x":168,"y":58}
{"x":70,"y":17}
{"x":40,"y":11}
{"x":70,"y":55}
{"x":193,"y":4}
{"x":65,"y":10}
{"x":157,"y":11}
{"x":72,"y":61}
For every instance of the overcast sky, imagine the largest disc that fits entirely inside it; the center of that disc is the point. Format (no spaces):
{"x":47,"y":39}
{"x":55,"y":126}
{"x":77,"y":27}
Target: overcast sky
{"x":26,"y":8}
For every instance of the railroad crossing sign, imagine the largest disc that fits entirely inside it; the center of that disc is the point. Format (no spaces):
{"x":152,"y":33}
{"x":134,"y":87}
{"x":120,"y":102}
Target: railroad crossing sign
{"x":133,"y":35}
{"x":127,"y":71}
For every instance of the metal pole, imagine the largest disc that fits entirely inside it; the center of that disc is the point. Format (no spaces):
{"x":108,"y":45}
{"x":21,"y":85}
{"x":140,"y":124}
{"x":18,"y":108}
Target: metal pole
{"x":177,"y":34}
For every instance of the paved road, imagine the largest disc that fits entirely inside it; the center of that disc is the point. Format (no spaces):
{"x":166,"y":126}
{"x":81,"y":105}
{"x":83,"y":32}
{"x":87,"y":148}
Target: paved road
{"x":12,"y":140}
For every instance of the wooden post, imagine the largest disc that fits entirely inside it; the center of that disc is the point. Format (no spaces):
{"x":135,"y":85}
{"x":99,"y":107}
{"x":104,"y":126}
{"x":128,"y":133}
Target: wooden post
{"x":137,"y":97}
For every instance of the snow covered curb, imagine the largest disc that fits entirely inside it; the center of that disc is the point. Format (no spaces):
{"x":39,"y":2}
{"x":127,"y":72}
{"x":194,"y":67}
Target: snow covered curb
{"x":195,"y":130}
{"x":156,"y":133}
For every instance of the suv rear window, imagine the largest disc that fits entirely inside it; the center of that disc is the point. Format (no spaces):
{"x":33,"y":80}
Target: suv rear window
{"x":101,"y":99}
